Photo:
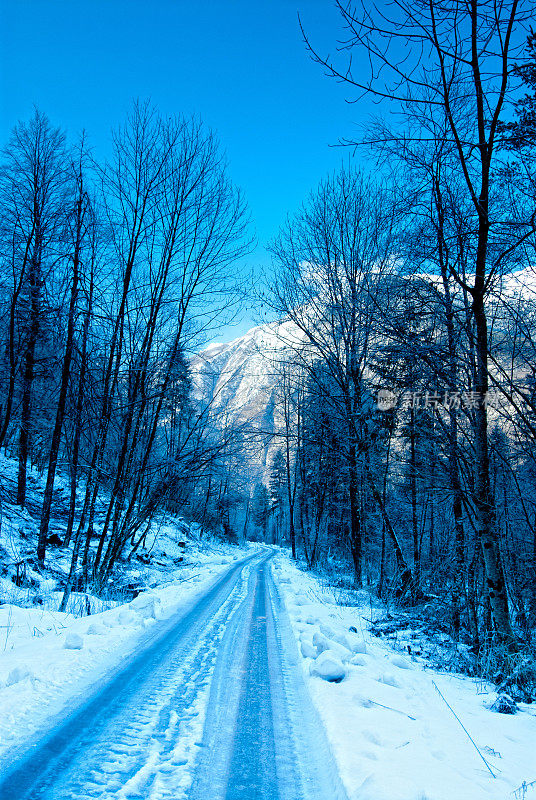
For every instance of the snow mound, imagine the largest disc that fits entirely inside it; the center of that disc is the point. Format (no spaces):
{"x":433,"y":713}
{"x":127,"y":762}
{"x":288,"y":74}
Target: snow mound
{"x":322,"y":643}
{"x":357,"y":645}
{"x":147,"y":605}
{"x":19,"y":674}
{"x":73,"y":642}
{"x":329,"y":667}
{"x":128,"y":618}
{"x":401,"y":663}
{"x":96,"y":629}
{"x":307,"y":649}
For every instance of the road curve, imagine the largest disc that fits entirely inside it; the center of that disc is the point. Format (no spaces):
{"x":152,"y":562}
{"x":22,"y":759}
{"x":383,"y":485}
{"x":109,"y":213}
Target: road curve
{"x":135,"y":738}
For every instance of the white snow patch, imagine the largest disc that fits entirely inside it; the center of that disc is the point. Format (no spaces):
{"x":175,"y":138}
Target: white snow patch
{"x":95,"y":629}
{"x":147,"y":605}
{"x":307,"y":649}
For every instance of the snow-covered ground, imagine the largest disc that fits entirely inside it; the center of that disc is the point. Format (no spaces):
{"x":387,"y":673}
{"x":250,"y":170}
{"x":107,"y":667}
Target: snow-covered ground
{"x":397,"y":729}
{"x":48,"y":658}
{"x":386,"y":716}
{"x":172,"y":547}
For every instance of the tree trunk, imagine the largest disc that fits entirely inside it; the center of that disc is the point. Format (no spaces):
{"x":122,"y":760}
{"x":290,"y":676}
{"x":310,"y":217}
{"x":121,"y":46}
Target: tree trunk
{"x":78,"y":417}
{"x":405,"y":576}
{"x":291,"y":497}
{"x":484,"y":501}
{"x":414,"y":516}
{"x":34,"y":279}
{"x":65,"y":377}
{"x":356,"y":533}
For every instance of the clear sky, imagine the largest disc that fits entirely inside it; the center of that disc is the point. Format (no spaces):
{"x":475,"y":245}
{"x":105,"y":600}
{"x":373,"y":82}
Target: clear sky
{"x":240,"y":64}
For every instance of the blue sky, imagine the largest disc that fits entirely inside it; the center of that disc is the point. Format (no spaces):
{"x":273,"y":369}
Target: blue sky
{"x":240,"y":64}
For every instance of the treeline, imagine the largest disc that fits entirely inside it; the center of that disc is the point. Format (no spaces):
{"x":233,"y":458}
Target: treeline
{"x":410,"y":408}
{"x":110,"y":274}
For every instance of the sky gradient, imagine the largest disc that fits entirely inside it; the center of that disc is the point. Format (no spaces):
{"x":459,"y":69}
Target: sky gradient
{"x":241,"y":65}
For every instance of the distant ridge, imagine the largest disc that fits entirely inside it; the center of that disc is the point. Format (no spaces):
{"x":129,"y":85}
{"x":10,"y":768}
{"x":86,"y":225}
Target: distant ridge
{"x":240,"y":381}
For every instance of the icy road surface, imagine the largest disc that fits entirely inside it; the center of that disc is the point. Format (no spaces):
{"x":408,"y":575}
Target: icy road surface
{"x":215,"y":708}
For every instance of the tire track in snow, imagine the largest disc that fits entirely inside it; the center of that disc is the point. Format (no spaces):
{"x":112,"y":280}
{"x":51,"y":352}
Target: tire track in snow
{"x":251,"y":769}
{"x":263,"y":739}
{"x":228,"y":673}
{"x":134,"y":738}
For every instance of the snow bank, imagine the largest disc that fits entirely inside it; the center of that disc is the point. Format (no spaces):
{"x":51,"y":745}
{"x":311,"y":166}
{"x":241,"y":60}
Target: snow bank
{"x":392,"y":734}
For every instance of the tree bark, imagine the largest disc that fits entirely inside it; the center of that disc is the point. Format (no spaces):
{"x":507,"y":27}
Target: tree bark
{"x":405,"y":575}
{"x":484,"y":500}
{"x":65,"y":377}
{"x":34,"y":281}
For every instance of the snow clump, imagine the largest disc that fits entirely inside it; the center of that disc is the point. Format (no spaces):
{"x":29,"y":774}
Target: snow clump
{"x":95,"y":629}
{"x":146,"y":604}
{"x":19,"y":674}
{"x":329,"y":667}
{"x":73,"y":642}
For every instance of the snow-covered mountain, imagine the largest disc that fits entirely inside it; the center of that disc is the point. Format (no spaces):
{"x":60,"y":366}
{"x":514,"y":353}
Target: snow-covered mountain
{"x":240,"y":381}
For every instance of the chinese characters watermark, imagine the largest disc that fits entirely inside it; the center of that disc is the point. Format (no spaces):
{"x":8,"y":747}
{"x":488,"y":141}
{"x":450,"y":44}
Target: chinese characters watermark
{"x":446,"y":400}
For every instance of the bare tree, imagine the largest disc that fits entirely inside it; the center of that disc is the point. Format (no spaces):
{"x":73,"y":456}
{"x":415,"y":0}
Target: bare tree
{"x":448,"y":65}
{"x":78,"y":223}
{"x":331,"y":260}
{"x":33,"y":182}
{"x":176,"y":225}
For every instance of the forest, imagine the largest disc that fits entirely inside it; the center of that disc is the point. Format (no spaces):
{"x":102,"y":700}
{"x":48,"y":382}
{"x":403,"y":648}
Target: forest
{"x":405,"y":461}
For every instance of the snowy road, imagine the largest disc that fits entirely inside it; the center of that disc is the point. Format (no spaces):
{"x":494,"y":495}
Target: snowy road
{"x":213,"y":708}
